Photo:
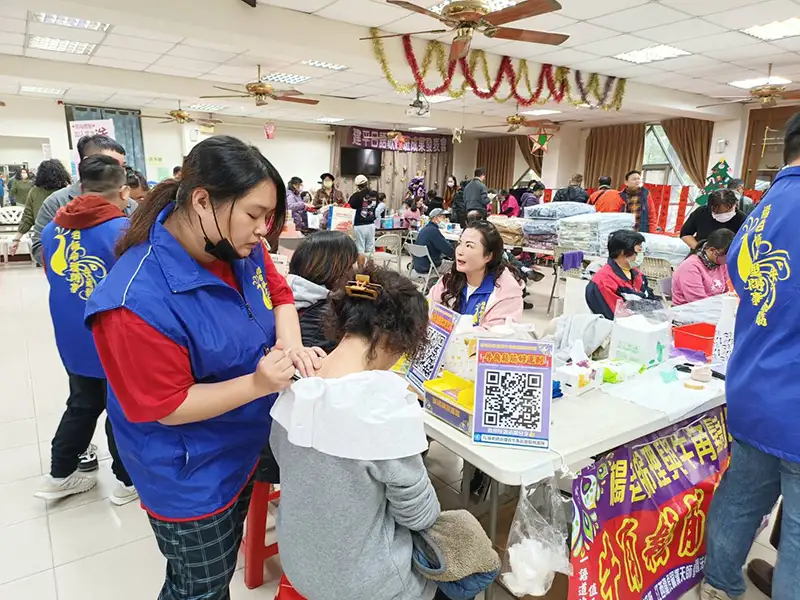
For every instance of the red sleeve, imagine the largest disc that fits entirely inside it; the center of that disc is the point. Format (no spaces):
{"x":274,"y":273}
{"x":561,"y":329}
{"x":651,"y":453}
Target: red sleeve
{"x":608,"y":288}
{"x":279,"y":289}
{"x":149,"y":373}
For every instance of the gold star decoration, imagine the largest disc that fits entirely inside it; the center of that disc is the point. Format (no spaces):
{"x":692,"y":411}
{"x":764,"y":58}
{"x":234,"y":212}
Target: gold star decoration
{"x":540,"y":140}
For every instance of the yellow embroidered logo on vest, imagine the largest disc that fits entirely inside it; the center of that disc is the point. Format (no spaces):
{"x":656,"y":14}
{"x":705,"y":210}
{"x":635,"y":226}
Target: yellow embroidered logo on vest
{"x":70,"y":260}
{"x":761,"y":266}
{"x":261,"y":284}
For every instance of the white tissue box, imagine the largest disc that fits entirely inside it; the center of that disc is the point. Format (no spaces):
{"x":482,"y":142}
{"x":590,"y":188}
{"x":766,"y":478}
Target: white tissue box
{"x":576,"y":380}
{"x":638,"y":340}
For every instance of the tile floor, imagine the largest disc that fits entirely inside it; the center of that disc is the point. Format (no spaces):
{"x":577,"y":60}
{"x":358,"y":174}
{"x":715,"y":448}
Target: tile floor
{"x":84,"y":548}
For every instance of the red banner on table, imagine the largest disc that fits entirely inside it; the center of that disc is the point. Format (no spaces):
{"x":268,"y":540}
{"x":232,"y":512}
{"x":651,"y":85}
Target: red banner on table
{"x":639,"y":523}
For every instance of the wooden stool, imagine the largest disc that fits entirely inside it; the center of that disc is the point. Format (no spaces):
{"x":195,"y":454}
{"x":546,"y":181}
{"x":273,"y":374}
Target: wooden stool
{"x":256,"y":550}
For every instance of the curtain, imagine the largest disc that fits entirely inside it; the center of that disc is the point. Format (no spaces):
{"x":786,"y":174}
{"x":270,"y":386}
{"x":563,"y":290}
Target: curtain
{"x":613,"y":151}
{"x":127,"y":129}
{"x":535,"y":159}
{"x":691,"y":139}
{"x":496,"y":157}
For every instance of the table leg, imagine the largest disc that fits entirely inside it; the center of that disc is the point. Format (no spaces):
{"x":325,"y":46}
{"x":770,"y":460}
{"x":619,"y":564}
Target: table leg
{"x":494,"y":502}
{"x":466,"y":478}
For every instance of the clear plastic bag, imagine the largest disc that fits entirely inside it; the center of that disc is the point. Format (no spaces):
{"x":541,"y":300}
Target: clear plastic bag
{"x":537,"y":543}
{"x":642,"y":332}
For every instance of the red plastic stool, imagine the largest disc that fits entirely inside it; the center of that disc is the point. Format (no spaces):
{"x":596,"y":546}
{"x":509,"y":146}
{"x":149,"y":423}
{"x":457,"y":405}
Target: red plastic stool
{"x":256,"y":550}
{"x":286,"y":591}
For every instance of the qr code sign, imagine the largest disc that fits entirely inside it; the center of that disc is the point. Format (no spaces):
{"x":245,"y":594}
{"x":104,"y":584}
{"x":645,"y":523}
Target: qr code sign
{"x":426,"y":363}
{"x":513,"y":400}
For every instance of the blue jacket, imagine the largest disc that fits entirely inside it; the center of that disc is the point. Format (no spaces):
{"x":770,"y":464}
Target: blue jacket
{"x":193,"y":470}
{"x":76,"y":261}
{"x":431,"y":237}
{"x":762,"y":387}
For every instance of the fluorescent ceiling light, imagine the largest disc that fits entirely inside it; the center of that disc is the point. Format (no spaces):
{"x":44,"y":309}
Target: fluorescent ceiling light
{"x":321,"y":64}
{"x":541,"y":112}
{"x":57,"y":45}
{"x":746,"y":84}
{"x":492,"y":5}
{"x":208,"y":107}
{"x":776,"y":30}
{"x":35,"y":89}
{"x":287,"y":78}
{"x":328,"y":120}
{"x":422,"y":129}
{"x":651,"y":54}
{"x":438,"y":99}
{"x":51,"y":19}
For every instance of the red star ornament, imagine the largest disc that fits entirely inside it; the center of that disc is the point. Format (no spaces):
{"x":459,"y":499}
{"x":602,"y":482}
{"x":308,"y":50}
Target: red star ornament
{"x":540,"y":140}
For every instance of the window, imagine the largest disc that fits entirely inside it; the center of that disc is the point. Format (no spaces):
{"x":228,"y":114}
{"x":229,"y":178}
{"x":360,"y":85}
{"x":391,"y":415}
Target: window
{"x":661,"y":164}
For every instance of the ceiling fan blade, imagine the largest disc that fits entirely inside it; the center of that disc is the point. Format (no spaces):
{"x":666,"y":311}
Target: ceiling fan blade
{"x":394,"y":35}
{"x":150,"y":117}
{"x":287,"y":92}
{"x":743,"y":101}
{"x":169,"y":121}
{"x":793,"y":95}
{"x":240,"y":96}
{"x":523,"y":10}
{"x":489,"y":126}
{"x":525,"y":35}
{"x":298,"y":100}
{"x":459,"y":48}
{"x":414,"y":8}
{"x":225,"y":89}
{"x":513,"y":128}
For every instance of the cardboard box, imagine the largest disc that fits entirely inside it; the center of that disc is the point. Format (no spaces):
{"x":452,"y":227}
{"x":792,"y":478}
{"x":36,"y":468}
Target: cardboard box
{"x":451,"y":399}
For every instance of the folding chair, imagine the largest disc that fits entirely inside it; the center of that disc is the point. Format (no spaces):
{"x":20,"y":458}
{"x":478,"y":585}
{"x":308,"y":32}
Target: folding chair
{"x":656,"y":270}
{"x":433,"y":273}
{"x":394,"y":244}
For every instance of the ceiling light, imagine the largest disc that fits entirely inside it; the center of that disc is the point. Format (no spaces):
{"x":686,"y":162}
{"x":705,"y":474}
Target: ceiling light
{"x":321,"y":64}
{"x":746,"y":84}
{"x":492,"y":5}
{"x":328,"y":120}
{"x":422,"y":129}
{"x":208,"y":107}
{"x":651,"y":54}
{"x":56,"y":45}
{"x":776,"y":30}
{"x":540,"y":112}
{"x":438,"y":99}
{"x":34,"y":89}
{"x":50,"y":19}
{"x":287,"y":78}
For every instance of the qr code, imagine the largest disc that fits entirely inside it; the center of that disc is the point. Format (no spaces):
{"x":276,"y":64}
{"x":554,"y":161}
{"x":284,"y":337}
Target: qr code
{"x":426,"y":363}
{"x":513,"y":400}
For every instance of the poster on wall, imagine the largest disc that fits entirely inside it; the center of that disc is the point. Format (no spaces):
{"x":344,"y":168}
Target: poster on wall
{"x":79,"y":129}
{"x":640,"y":513}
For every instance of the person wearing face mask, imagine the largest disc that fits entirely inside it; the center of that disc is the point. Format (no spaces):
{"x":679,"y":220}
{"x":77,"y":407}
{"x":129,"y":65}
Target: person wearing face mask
{"x":721,"y":212}
{"x":19,"y":188}
{"x":704,"y":273}
{"x":745,"y":204}
{"x":295,"y":203}
{"x":619,"y":277}
{"x":635,"y":199}
{"x":328,"y":193}
{"x":450,"y":189}
{"x":196,"y":299}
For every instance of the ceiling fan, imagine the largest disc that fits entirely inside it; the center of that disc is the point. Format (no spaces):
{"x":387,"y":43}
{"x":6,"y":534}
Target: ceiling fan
{"x":173,"y":116}
{"x":210,"y":121}
{"x":263,"y":92}
{"x":467,"y":16}
{"x":765,"y":95}
{"x":517,"y":121}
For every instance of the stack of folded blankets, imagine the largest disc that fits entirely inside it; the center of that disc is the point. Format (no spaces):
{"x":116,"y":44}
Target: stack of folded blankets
{"x":541,"y":222}
{"x":590,"y":232}
{"x":510,"y":228}
{"x":672,"y":249}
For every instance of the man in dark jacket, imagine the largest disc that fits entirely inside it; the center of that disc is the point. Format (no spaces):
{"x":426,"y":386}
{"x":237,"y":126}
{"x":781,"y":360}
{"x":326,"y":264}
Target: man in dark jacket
{"x":636,"y":200}
{"x":458,"y":208}
{"x":431,"y":237}
{"x":574,"y":192}
{"x":476,"y":194}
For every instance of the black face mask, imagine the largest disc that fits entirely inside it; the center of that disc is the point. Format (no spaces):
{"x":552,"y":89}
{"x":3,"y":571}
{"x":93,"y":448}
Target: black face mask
{"x":223,"y":250}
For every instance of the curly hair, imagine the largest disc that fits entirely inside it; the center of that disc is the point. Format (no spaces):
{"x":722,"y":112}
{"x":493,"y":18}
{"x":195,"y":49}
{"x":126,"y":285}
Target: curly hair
{"x":51,"y":175}
{"x":395,"y":322}
{"x":455,"y":281}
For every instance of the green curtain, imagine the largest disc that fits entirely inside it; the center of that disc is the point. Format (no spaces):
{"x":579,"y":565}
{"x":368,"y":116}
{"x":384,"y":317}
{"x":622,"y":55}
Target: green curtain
{"x":127,"y":129}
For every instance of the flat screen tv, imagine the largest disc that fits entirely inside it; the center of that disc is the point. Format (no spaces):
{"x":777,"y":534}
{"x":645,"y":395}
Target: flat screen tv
{"x":359,"y":161}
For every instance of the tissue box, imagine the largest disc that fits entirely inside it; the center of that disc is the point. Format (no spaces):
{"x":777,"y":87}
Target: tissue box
{"x":576,"y":380}
{"x":451,"y":399}
{"x":638,"y":340}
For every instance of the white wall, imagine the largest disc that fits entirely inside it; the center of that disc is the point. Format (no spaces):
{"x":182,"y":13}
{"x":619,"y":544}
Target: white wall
{"x":36,"y":118}
{"x":465,"y":158}
{"x":16,"y":150}
{"x":735,"y":131}
{"x":162,"y":148}
{"x":563,"y":158}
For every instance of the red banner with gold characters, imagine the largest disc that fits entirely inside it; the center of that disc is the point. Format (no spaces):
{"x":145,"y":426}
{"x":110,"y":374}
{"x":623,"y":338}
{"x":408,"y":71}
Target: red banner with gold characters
{"x":640,"y":512}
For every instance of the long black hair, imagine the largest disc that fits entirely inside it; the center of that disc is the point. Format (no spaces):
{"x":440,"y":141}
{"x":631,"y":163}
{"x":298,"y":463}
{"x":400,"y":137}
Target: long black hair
{"x":226,"y":168}
{"x":455,"y":281}
{"x":52,"y":175}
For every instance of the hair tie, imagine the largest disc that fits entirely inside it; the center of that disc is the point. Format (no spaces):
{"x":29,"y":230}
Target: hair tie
{"x":362,"y":288}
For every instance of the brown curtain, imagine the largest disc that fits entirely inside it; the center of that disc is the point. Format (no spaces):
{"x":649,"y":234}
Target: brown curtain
{"x":691,"y":139}
{"x":613,"y":151}
{"x":496,"y":157}
{"x":535,"y":159}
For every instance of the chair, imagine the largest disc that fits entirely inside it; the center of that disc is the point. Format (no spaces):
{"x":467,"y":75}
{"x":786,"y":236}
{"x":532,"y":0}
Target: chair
{"x":433,"y":273}
{"x":393,"y":245}
{"x":560,"y":274}
{"x":255,"y":548}
{"x":10,"y":217}
{"x":656,"y":270}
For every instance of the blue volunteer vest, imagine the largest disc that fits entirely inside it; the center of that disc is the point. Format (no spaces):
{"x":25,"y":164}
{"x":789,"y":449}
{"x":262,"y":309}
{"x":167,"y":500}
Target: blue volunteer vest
{"x":475,"y":305}
{"x":762,"y":387}
{"x":76,"y":261}
{"x":190,"y":471}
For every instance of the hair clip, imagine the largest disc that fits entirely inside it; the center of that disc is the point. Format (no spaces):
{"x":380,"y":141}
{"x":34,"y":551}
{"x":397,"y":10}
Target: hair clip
{"x":362,"y":288}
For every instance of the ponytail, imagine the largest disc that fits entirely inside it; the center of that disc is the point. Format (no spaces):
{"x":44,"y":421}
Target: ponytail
{"x":142,"y":221}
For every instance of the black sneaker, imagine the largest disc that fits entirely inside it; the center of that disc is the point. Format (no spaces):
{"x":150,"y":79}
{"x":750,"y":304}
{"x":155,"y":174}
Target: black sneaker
{"x":88,"y":460}
{"x":527,"y":305}
{"x":536,"y":276}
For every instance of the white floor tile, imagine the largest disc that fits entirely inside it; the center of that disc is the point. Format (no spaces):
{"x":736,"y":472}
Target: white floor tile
{"x":18,"y":433}
{"x":41,"y":586}
{"x":24,"y":550}
{"x":18,"y":502}
{"x":19,"y":463}
{"x":106,"y":483}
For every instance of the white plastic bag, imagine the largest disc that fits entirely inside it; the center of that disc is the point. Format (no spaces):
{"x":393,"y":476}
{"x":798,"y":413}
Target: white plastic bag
{"x":537,"y":543}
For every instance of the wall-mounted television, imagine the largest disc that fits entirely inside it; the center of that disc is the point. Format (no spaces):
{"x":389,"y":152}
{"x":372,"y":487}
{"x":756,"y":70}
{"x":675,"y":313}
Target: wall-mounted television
{"x":360,"y":161}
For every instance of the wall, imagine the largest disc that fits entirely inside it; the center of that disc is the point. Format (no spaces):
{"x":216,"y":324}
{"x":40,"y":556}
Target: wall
{"x":465,"y":157}
{"x":36,"y":118}
{"x":735,"y":131}
{"x":562,"y":160}
{"x":16,"y":150}
{"x":162,"y":148}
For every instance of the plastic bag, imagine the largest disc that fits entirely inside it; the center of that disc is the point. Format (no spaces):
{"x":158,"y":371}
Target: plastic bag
{"x":642,"y":332}
{"x":537,"y":543}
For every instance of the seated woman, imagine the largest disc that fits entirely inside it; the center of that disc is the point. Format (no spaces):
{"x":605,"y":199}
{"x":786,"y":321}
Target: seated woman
{"x":322,"y":262}
{"x":721,"y":212}
{"x":481,"y":283}
{"x":412,"y":214}
{"x":508,"y":204}
{"x":704,"y":273}
{"x":349,"y":503}
{"x":620,"y":277}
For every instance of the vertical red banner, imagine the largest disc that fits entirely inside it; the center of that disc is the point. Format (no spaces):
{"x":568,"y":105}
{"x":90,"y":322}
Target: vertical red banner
{"x":683,"y":204}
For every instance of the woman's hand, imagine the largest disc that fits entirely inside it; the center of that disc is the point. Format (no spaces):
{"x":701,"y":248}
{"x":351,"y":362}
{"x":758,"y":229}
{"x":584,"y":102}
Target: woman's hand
{"x":307,"y":360}
{"x":274,"y":372}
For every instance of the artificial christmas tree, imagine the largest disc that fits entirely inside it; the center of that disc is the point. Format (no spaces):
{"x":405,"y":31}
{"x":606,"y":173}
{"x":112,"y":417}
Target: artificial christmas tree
{"x":718,"y":179}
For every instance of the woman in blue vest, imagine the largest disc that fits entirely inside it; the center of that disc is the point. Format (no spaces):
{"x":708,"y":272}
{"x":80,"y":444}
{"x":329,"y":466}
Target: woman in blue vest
{"x":197,"y":333}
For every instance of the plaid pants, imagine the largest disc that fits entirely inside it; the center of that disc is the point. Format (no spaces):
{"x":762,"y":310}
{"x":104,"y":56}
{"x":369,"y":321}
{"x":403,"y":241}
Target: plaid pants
{"x":201,"y":555}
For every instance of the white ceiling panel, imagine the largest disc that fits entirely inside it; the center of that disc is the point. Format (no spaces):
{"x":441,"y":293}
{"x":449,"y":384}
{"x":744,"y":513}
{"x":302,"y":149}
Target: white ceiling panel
{"x":749,"y":51}
{"x":565,"y":57}
{"x":12,"y":39}
{"x":781,"y":62}
{"x":241,"y":74}
{"x":681,"y":31}
{"x":146,"y":34}
{"x":308,"y":6}
{"x":707,"y":7}
{"x":730,"y":39}
{"x":413,"y":23}
{"x":650,"y":14}
{"x":174,"y":62}
{"x":214,"y":45}
{"x":792,"y":44}
{"x":759,"y":13}
{"x":134,"y":43}
{"x":606,"y":66}
{"x":615,"y":45}
{"x":12,"y":25}
{"x":583,"y":9}
{"x":582,"y":33}
{"x":65,"y":33}
{"x":346,"y":77}
{"x":18,"y":10}
{"x":125,"y":54}
{"x":60,"y":56}
{"x":363,"y":12}
{"x":15,"y":50}
{"x":737,"y":75}
{"x":206,"y":54}
{"x":164,"y":70}
{"x":683,"y":62}
{"x":115,"y":63}
{"x":549,"y":22}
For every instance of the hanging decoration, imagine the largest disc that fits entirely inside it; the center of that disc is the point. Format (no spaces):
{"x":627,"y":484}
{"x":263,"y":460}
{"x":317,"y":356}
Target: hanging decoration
{"x":457,"y":133}
{"x":269,"y":131}
{"x":553,"y":84}
{"x":540,"y":140}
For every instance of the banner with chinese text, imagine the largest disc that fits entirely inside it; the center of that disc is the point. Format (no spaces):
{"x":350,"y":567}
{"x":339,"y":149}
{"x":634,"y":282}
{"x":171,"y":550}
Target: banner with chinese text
{"x":639,"y":523}
{"x":377,"y":139}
